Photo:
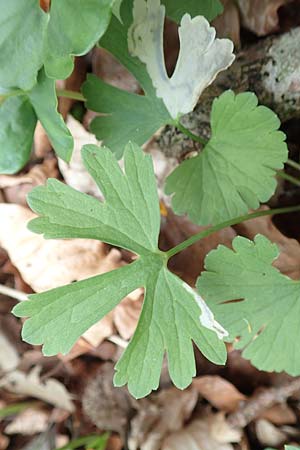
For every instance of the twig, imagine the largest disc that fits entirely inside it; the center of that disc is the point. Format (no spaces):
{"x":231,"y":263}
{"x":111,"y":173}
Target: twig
{"x":118,"y":341}
{"x":262,"y":401}
{"x":13,"y":293}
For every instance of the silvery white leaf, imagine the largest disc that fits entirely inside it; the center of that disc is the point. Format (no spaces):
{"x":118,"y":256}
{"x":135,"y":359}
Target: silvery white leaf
{"x":201,"y":55}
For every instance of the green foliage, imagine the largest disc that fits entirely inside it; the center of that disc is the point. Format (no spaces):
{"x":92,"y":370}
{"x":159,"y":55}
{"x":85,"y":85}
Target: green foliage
{"x":74,"y":27}
{"x":128,"y":116}
{"x":265,"y":320}
{"x":18,"y":117}
{"x":18,"y":121}
{"x":29,"y":37}
{"x":235,"y":172}
{"x":207,"y":8}
{"x":236,"y":169}
{"x":22,"y":27}
{"x":173,"y":314}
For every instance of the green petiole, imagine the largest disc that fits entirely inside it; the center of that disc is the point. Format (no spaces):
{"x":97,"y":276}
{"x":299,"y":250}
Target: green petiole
{"x":196,"y":237}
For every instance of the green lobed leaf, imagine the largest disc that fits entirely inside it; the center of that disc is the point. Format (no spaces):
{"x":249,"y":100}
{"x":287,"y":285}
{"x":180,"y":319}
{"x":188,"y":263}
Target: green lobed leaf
{"x":19,"y":115}
{"x":128,"y":218}
{"x":74,"y":28}
{"x":173,"y":314}
{"x":22,"y":30}
{"x":18,"y":122}
{"x":236,"y":170}
{"x":29,"y":37}
{"x":127,"y":116}
{"x":265,"y":320}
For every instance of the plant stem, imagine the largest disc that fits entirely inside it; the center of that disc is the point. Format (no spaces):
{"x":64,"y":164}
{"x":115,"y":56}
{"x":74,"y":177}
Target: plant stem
{"x":13,"y":293}
{"x":70,"y":94}
{"x":188,"y":133}
{"x":293,"y":164}
{"x":228,"y":223}
{"x":289,"y":178}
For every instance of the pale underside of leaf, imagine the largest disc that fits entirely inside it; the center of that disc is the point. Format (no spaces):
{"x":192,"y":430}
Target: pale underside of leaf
{"x":265,"y":322}
{"x":201,"y":56}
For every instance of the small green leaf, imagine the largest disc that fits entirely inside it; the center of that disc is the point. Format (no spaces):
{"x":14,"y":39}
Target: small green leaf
{"x":236,"y":170}
{"x":74,"y":28}
{"x":29,"y":37}
{"x":265,"y":320}
{"x":173,"y":314}
{"x":18,"y":121}
{"x":128,"y":116}
{"x":44,"y":101}
{"x":18,"y":116}
{"x":22,"y":28}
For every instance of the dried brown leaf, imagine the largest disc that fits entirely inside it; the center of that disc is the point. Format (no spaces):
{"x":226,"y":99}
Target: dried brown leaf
{"x":211,"y":432}
{"x":30,"y":385}
{"x":228,"y":23}
{"x":280,"y":414}
{"x":268,"y":434}
{"x":159,"y":415}
{"x":222,"y":394}
{"x":74,"y":172}
{"x":261,"y":16}
{"x":45,"y":264}
{"x":16,"y":187}
{"x":29,"y":422}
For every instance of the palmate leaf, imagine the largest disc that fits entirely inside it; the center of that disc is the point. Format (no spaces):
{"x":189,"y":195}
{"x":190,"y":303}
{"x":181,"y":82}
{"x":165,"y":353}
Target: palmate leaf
{"x":265,"y":320}
{"x":236,"y":170}
{"x":173,"y":314}
{"x":29,"y":37}
{"x":18,"y":117}
{"x":137,"y":117}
